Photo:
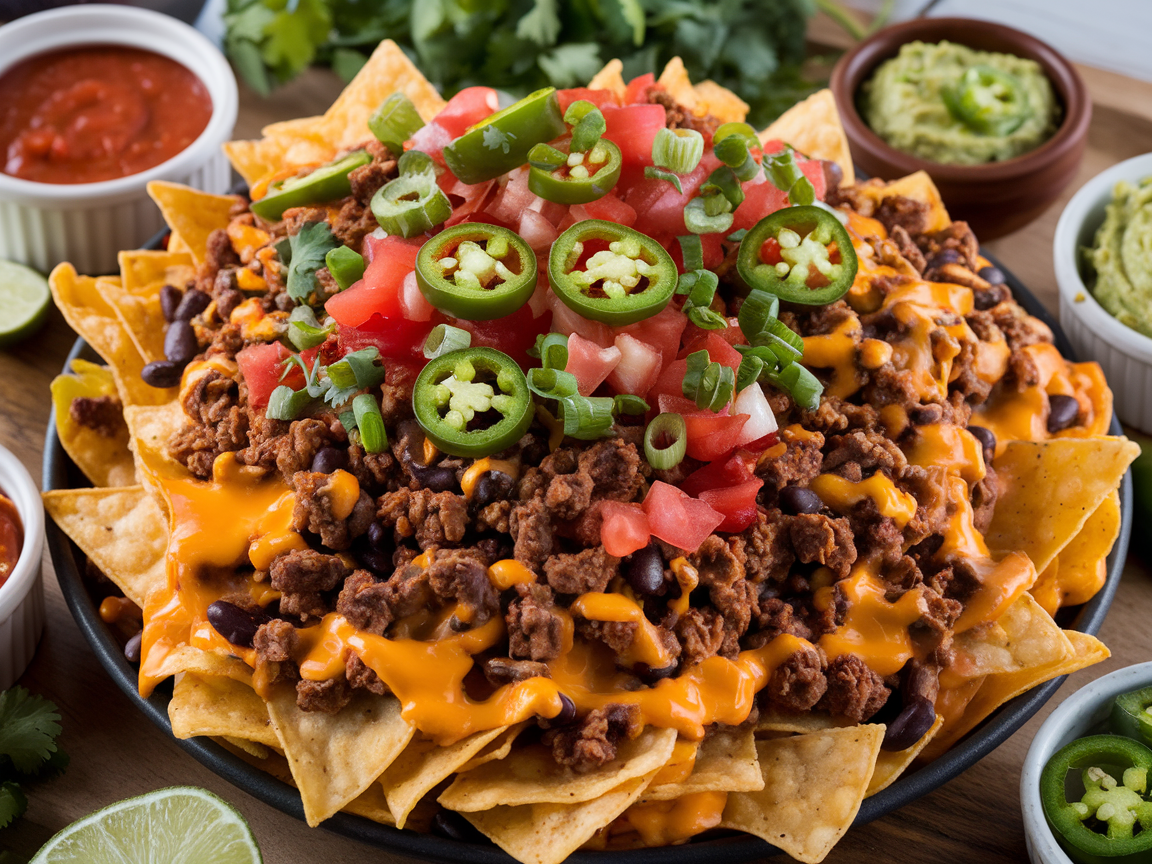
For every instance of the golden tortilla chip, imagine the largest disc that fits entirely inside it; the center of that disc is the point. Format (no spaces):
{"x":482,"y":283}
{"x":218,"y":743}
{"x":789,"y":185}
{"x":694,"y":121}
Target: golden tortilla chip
{"x":150,"y":427}
{"x":203,"y":705}
{"x":207,"y":664}
{"x":813,"y":127}
{"x":918,"y":187}
{"x":143,"y":274}
{"x":371,"y":804}
{"x":249,"y":747}
{"x":1050,"y":488}
{"x":193,"y":214}
{"x":1081,"y":568}
{"x":140,"y":269}
{"x":1024,"y":637}
{"x":121,"y":531}
{"x":176,"y":244}
{"x":334,"y":758}
{"x":609,"y":78}
{"x":720,"y":102}
{"x":531,"y":775}
{"x":777,"y":721}
{"x":253,"y":160}
{"x":422,"y":766}
{"x":549,"y":833}
{"x":675,"y":80}
{"x":813,"y":786}
{"x":890,"y":764}
{"x":104,"y":459}
{"x":725,"y":762}
{"x":497,"y":749}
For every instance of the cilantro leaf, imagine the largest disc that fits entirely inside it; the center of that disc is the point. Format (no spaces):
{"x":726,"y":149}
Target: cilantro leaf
{"x":308,"y":250}
{"x":624,"y":20}
{"x":495,"y":139}
{"x":541,"y":25}
{"x":293,"y":36}
{"x":28,"y":729}
{"x":12,"y":803}
{"x":571,"y":65}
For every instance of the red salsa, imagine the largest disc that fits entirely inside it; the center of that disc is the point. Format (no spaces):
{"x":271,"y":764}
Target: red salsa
{"x":11,"y":537}
{"x":82,"y":115}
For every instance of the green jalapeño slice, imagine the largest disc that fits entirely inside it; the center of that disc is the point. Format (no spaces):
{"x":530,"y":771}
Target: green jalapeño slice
{"x":473,"y":402}
{"x":610,"y":273}
{"x":327,"y":183}
{"x":574,"y":178}
{"x":988,"y":101}
{"x":800,"y":254}
{"x":476,"y":271}
{"x":501,"y":142}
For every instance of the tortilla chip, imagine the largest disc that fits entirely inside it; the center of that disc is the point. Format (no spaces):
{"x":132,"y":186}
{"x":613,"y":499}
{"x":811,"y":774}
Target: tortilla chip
{"x":193,"y":214}
{"x":250,"y":747}
{"x":918,"y":187}
{"x":121,"y":531}
{"x":371,"y":804}
{"x":207,"y":664}
{"x":890,"y":764}
{"x":675,"y":80}
{"x":1081,"y":568}
{"x":1050,"y":488}
{"x":720,"y":102}
{"x":140,"y":269}
{"x":772,"y":720}
{"x":253,"y":160}
{"x":813,"y":127}
{"x":1024,"y":637}
{"x":496,"y":749}
{"x":104,"y":459}
{"x":531,"y":776}
{"x":813,"y":786}
{"x":422,"y":766}
{"x":549,"y":833}
{"x":150,"y":427}
{"x":143,"y":274}
{"x":176,"y":243}
{"x":203,"y":705}
{"x":609,"y":78}
{"x":725,"y":762}
{"x":334,"y":758}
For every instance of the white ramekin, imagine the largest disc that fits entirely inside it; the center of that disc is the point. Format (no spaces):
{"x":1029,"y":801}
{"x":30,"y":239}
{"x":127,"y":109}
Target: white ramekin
{"x":1079,"y":715}
{"x":1124,"y":354}
{"x":42,"y":224}
{"x":22,"y":594}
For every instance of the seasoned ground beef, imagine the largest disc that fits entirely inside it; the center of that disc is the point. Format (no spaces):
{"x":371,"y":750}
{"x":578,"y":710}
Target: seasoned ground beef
{"x":854,"y":690}
{"x":535,"y":630}
{"x":102,"y":414}
{"x":593,"y":741}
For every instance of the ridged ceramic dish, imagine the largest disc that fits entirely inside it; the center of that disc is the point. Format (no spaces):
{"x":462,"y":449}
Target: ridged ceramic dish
{"x":42,"y":224}
{"x":22,"y":594}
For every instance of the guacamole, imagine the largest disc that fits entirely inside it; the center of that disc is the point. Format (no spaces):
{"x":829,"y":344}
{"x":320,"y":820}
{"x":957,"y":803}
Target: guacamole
{"x":1122,"y":256}
{"x":949,"y":103}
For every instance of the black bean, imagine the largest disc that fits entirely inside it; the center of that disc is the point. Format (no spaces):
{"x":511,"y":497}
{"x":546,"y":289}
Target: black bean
{"x":797,"y":499}
{"x":910,"y":725}
{"x":1063,"y":411}
{"x":180,"y":342}
{"x":376,"y":560}
{"x":132,"y":648}
{"x":992,"y":274}
{"x":567,"y":713}
{"x":329,"y":459}
{"x":434,"y":478}
{"x":987,"y":439}
{"x":944,"y":256}
{"x":533,"y":448}
{"x":379,"y":537}
{"x":170,"y":298}
{"x":162,"y":373}
{"x":833,"y":174}
{"x":650,"y":676}
{"x":450,"y":824}
{"x":492,"y":486}
{"x":235,"y":624}
{"x":644,"y":570}
{"x":193,"y":303}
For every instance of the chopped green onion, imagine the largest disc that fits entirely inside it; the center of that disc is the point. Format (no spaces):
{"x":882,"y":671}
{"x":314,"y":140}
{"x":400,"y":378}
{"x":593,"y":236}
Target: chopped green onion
{"x":346,"y":265}
{"x":578,"y":110}
{"x":587,"y":417}
{"x":304,"y":331}
{"x":588,"y":130}
{"x":692,"y":250}
{"x":312,"y":382}
{"x":777,"y":332}
{"x":286,"y":403}
{"x":737,"y":236}
{"x":759,"y":308}
{"x":628,"y":403}
{"x":546,"y":157}
{"x":733,"y":152}
{"x":394,"y":122}
{"x":348,"y":420}
{"x":553,"y":350}
{"x":416,"y":162}
{"x":723,"y":181}
{"x":706,"y":319}
{"x":445,"y":338}
{"x":357,"y":371}
{"x":653,"y":173}
{"x":749,"y":372}
{"x":786,"y":176}
{"x":411,"y":204}
{"x":673,"y":428}
{"x":698,"y":221}
{"x":373,"y":435}
{"x":678,"y":150}
{"x":708,"y":384}
{"x":742,"y":130}
{"x":552,"y":383}
{"x":804,"y":387}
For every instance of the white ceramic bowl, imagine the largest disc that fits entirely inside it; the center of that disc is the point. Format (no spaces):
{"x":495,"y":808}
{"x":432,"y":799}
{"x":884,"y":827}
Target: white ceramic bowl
{"x":1124,"y":354}
{"x":22,"y":594}
{"x":1078,"y":715}
{"x":42,"y":224}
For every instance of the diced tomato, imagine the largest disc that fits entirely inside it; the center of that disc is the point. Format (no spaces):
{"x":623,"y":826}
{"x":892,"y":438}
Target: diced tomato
{"x":760,"y":200}
{"x":638,"y":368}
{"x":261,"y":366}
{"x":637,"y":89}
{"x":677,"y":518}
{"x":633,"y":128}
{"x":397,"y":338}
{"x":590,"y":363}
{"x":431,"y":139}
{"x":712,"y":245}
{"x":737,"y":504}
{"x":466,"y":199}
{"x":537,"y":232}
{"x":513,"y":334}
{"x":413,"y":304}
{"x":662,"y":331}
{"x":668,"y":403}
{"x":659,"y":207}
{"x":711,"y":436}
{"x":599,"y":98}
{"x":624,"y":529}
{"x":609,"y":208}
{"x":467,"y":108}
{"x":566,"y":321}
{"x":379,"y":292}
{"x":717,"y":475}
{"x":512,"y":197}
{"x":814,"y":171}
{"x":670,"y":382}
{"x":770,"y":252}
{"x":718,"y":348}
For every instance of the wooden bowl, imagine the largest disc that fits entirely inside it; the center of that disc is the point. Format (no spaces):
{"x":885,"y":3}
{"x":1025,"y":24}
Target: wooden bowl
{"x":995,"y":198}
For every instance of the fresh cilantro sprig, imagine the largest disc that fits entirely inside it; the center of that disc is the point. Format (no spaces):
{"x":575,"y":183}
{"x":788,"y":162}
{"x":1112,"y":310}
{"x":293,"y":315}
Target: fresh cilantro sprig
{"x":29,"y":726}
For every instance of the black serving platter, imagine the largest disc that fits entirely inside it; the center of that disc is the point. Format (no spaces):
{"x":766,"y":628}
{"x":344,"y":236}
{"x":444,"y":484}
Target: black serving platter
{"x":731,"y":848}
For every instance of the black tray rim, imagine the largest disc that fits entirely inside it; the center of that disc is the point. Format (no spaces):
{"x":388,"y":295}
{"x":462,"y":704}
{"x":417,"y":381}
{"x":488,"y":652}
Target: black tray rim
{"x":734,"y":849}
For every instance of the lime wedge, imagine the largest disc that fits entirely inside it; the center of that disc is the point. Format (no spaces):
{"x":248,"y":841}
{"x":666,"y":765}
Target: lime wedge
{"x":24,"y":300}
{"x":178,"y":825}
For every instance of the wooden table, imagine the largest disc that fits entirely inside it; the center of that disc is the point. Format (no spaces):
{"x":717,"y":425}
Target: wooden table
{"x":117,"y":753}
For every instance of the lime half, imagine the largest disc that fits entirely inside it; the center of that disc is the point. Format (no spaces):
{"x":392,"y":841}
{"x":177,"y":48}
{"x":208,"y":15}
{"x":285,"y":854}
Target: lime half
{"x":178,"y":825}
{"x":24,"y":300}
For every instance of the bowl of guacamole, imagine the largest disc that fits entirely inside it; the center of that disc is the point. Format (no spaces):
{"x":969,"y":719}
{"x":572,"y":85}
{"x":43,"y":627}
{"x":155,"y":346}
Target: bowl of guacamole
{"x":998,"y":118}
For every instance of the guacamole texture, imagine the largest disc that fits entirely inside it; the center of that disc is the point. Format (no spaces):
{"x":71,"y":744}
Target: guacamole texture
{"x":1122,"y":256}
{"x":906,"y":103}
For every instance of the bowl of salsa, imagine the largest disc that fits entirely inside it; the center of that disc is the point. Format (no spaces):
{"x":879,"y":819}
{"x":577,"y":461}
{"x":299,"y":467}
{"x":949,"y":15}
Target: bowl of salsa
{"x":96,"y":102}
{"x":21,"y":585}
